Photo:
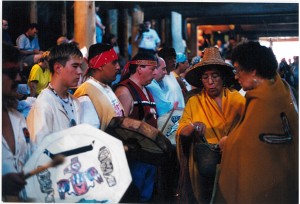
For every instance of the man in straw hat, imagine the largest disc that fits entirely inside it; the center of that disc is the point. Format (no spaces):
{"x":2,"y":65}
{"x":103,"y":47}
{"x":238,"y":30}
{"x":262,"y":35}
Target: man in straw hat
{"x":97,"y":100}
{"x":213,"y":113}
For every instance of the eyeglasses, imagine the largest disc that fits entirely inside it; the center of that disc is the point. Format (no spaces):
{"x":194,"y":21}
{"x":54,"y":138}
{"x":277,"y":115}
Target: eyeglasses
{"x":237,"y":71}
{"x":214,"y":77}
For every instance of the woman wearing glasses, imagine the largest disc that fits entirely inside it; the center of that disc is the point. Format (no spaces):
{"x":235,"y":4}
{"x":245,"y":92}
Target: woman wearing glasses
{"x":260,"y":157}
{"x":213,"y":114}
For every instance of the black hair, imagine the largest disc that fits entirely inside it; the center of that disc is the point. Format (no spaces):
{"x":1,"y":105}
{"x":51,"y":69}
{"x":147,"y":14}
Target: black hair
{"x":95,"y":50}
{"x":98,"y":48}
{"x":167,"y":52}
{"x":10,"y":53}
{"x":253,"y":56}
{"x":61,"y":54}
{"x":32,"y":25}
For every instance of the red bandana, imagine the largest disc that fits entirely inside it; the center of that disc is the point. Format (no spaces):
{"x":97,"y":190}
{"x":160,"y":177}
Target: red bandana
{"x":138,"y":62}
{"x":102,"y":59}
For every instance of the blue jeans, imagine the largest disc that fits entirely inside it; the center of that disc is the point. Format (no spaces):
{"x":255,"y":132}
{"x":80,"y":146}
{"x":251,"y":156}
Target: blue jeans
{"x":143,"y":177}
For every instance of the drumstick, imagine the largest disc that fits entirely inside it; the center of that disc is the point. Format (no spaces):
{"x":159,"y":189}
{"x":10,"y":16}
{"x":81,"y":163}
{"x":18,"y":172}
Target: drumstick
{"x":59,"y":159}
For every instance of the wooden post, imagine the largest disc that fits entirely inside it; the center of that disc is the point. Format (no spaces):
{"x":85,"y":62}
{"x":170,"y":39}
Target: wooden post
{"x":84,"y":23}
{"x":137,"y":18}
{"x":124,"y":40}
{"x":33,"y":12}
{"x":64,"y":19}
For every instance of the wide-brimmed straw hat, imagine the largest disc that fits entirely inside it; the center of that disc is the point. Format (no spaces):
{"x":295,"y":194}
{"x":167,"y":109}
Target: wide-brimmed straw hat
{"x":211,"y":59}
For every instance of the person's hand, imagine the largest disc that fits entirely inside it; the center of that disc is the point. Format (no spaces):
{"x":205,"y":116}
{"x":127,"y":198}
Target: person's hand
{"x":12,"y":183}
{"x":222,"y":142}
{"x":199,"y":127}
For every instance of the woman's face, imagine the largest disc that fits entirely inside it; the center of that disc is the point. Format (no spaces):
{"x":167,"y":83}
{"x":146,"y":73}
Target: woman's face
{"x":212,"y":82}
{"x":244,"y":78}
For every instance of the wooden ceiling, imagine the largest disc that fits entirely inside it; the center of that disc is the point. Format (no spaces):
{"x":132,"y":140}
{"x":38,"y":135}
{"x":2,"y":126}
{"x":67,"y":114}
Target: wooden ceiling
{"x":256,"y":19}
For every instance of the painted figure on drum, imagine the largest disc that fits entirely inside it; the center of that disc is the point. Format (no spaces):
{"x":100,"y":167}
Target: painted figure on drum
{"x":45,"y":182}
{"x":80,"y":182}
{"x":107,"y":166}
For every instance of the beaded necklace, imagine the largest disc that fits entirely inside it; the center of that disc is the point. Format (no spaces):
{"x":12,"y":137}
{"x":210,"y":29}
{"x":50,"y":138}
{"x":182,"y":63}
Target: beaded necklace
{"x":67,"y":105}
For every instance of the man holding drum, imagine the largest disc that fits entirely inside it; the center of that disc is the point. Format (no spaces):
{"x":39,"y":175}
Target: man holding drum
{"x":139,"y":104}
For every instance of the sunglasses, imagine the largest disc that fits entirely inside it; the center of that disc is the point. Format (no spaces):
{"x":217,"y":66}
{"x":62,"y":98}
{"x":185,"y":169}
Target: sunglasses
{"x":11,"y":72}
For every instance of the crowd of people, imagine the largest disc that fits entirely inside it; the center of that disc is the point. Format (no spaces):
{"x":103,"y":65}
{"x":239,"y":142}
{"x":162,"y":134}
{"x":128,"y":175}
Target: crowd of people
{"x":256,"y":134}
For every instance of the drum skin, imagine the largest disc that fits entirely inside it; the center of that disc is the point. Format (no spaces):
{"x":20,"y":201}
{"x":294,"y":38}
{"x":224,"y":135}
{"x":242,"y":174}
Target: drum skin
{"x":95,"y":168}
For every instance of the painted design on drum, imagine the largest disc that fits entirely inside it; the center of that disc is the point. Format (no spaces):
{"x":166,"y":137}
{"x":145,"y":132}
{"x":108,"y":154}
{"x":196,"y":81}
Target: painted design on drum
{"x":106,"y":166}
{"x":174,"y":127}
{"x":44,"y":178}
{"x":80,"y":182}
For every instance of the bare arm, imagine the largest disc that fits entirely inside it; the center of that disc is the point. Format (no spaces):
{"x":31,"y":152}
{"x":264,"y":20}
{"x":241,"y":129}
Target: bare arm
{"x":31,"y":52}
{"x":125,"y":98}
{"x":32,"y":86}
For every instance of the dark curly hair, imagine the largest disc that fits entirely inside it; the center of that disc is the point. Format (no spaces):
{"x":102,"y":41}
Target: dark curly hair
{"x":253,"y":56}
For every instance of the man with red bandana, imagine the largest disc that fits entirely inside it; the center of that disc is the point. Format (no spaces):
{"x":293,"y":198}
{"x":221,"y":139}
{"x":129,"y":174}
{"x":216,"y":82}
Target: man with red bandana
{"x":97,"y":100}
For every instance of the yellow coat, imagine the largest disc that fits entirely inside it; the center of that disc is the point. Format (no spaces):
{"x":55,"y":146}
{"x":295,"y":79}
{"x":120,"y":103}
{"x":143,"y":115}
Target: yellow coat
{"x":218,"y":123}
{"x":253,"y":171}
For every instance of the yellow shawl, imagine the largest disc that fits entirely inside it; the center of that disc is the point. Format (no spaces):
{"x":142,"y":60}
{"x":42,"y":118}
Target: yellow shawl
{"x":218,"y":123}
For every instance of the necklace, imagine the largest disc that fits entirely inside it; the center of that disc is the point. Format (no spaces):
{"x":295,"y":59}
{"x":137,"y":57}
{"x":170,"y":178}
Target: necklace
{"x":68,"y":107}
{"x":63,"y":100}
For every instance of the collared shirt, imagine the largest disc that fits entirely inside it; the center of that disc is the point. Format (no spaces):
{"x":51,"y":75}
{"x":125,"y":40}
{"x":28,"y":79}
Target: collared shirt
{"x":48,"y":116}
{"x":162,"y":104}
{"x":173,"y":90}
{"x":24,"y":43}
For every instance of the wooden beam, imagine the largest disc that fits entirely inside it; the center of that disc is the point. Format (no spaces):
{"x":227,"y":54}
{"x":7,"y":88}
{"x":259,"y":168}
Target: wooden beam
{"x":84,"y":23}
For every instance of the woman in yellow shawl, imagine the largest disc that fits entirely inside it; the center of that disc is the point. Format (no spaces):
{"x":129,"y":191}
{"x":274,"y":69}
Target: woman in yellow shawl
{"x":213,"y":112}
{"x":260,"y":157}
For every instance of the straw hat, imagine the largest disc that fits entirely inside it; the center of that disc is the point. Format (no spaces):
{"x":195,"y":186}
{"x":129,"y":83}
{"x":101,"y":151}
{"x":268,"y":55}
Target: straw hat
{"x":211,"y":59}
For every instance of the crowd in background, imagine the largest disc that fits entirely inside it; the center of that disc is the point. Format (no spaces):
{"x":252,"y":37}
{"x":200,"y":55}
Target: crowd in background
{"x":58,"y":89}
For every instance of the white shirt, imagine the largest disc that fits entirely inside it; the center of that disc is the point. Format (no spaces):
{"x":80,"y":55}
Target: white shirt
{"x":13,"y":163}
{"x":173,"y":90}
{"x":149,"y":40}
{"x":89,"y":114}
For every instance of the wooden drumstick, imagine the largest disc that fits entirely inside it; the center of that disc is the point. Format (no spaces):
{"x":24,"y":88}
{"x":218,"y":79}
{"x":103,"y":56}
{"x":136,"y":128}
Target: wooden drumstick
{"x":59,"y":159}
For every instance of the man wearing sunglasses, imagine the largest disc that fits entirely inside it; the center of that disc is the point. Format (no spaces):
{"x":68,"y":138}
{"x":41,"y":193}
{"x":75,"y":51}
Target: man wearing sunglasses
{"x":15,"y":136}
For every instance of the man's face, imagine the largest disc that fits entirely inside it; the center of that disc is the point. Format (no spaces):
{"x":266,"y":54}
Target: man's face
{"x":170,"y":63}
{"x":161,"y":70}
{"x":32,"y":32}
{"x":183,"y":66}
{"x":109,"y":72}
{"x":71,"y":72}
{"x":4,"y":25}
{"x":147,"y":74}
{"x":10,"y":78}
